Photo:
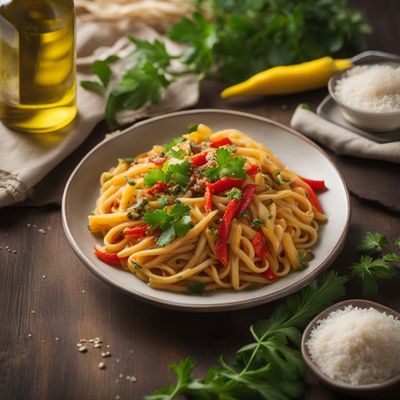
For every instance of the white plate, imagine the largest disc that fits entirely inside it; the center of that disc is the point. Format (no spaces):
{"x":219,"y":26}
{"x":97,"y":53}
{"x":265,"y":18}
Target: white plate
{"x":296,"y":151}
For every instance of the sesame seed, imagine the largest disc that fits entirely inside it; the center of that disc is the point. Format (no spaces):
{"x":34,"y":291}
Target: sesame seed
{"x":33,"y":312}
{"x":121,"y":375}
{"x":14,"y":251}
{"x":97,"y":345}
{"x":106,"y":354}
{"x":133,"y":378}
{"x":57,"y":339}
{"x":108,"y":346}
{"x":41,"y":230}
{"x":29,"y":335}
{"x":49,"y":228}
{"x":83,"y":291}
{"x":101,"y":365}
{"x":91,"y":340}
{"x":28,"y":225}
{"x":44,"y":276}
{"x":82,"y":349}
{"x":82,"y":340}
{"x":9,"y":250}
{"x":79,"y":345}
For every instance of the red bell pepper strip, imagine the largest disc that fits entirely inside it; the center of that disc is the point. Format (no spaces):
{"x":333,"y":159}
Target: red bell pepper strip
{"x":246,"y":198}
{"x":220,"y":142}
{"x":270,"y":275}
{"x":221,"y":247}
{"x":225,"y":184}
{"x":310,"y":192}
{"x":137,"y":231}
{"x":157,"y":187}
{"x":208,"y":198}
{"x":259,"y":245}
{"x":233,"y":209}
{"x":199,"y":159}
{"x":253,"y":169}
{"x":315,"y":184}
{"x":158,"y":160}
{"x":109,"y":258}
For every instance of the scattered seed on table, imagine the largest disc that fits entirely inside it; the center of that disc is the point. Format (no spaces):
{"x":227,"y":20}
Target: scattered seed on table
{"x":33,"y":312}
{"x":101,"y":365}
{"x":57,"y":339}
{"x":132,"y":378}
{"x":82,"y":349}
{"x":42,"y":231}
{"x":97,"y":345}
{"x":29,"y":335}
{"x":121,"y":375}
{"x":106,"y":354}
{"x":83,"y":291}
{"x":44,"y":276}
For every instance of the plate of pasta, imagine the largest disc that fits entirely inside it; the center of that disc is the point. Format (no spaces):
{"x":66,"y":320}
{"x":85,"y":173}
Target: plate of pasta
{"x":206,"y":210}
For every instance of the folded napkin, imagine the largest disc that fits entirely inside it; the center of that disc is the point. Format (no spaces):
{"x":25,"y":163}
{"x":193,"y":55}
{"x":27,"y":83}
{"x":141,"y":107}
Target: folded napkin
{"x":26,"y":158}
{"x":340,"y":140}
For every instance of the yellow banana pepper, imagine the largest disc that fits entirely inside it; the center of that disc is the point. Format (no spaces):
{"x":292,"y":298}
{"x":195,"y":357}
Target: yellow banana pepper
{"x":289,"y":79}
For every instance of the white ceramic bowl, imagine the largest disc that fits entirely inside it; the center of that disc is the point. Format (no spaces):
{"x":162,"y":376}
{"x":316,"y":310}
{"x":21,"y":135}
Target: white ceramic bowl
{"x":371,"y":121}
{"x":296,"y":151}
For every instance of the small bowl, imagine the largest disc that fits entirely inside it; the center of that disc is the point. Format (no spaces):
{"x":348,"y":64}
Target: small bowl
{"x":338,"y":386}
{"x":369,"y":120}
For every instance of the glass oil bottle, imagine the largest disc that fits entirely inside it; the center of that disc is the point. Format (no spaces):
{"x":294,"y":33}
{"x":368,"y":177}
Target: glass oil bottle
{"x":37,"y":64}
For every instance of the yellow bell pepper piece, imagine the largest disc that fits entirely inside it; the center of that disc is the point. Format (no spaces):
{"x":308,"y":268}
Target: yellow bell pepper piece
{"x":289,"y":79}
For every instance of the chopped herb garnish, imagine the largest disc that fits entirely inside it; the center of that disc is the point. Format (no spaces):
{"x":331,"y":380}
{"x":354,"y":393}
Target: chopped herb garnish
{"x":196,"y":288}
{"x":192,"y":128}
{"x":153,"y":176}
{"x":129,"y":181}
{"x":234,"y":193}
{"x":305,"y":106}
{"x":214,"y":231}
{"x":109,"y":177}
{"x":137,"y":266}
{"x":244,"y":214}
{"x":177,"y":172}
{"x":305,"y":257}
{"x":226,"y":165}
{"x":257,"y":223}
{"x":174,"y":223}
{"x":139,"y":207}
{"x":127,"y":160}
{"x":163,"y":201}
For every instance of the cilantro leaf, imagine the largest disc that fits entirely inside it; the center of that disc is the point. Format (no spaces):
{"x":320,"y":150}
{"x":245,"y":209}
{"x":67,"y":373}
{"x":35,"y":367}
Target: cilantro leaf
{"x":139,"y":86}
{"x":174,"y":223}
{"x":154,"y":52}
{"x":163,"y":201}
{"x":201,"y":36}
{"x":93,"y":85}
{"x":129,"y":181}
{"x":101,"y":69}
{"x":127,"y":160}
{"x":192,"y":128}
{"x":153,"y":176}
{"x":369,"y":270}
{"x":226,"y":165}
{"x":179,"y":173}
{"x":373,"y":242}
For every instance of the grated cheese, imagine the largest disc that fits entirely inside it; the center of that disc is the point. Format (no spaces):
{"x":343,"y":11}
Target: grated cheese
{"x":374,"y":88}
{"x":357,"y":346}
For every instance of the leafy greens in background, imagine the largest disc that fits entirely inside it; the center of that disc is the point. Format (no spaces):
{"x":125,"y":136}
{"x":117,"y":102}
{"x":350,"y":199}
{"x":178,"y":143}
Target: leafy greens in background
{"x":269,"y":368}
{"x":373,"y":265}
{"x":241,"y":38}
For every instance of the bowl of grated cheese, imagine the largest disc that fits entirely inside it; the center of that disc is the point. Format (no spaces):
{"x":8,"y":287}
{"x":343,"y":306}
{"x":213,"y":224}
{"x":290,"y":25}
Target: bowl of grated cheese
{"x":354,"y":347}
{"x":369,"y":95}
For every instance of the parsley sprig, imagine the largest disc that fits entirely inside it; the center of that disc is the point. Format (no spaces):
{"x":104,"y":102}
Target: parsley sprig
{"x":271,"y":367}
{"x":374,"y":265}
{"x":173,"y":223}
{"x":178,"y":173}
{"x":226,"y":165}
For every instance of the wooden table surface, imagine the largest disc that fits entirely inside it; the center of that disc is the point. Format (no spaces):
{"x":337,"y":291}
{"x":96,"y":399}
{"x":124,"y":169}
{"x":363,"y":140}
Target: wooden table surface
{"x":49,"y":300}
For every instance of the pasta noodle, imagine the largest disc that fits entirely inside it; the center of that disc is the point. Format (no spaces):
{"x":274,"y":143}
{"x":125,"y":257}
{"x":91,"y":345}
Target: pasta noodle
{"x":207,"y":211}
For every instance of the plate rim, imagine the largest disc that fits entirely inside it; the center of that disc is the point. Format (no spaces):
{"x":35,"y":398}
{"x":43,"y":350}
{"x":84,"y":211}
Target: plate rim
{"x":217,"y":307}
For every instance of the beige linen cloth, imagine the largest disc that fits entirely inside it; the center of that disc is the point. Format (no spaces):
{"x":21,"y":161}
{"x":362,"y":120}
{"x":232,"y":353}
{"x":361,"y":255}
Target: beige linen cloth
{"x":25,"y":159}
{"x":342,"y":141}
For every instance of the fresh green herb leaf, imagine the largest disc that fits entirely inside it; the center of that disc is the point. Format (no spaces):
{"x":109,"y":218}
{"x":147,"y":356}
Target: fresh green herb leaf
{"x":234,"y":193}
{"x":101,"y":69}
{"x":269,"y":368}
{"x":257,"y":223}
{"x":112,"y":59}
{"x":129,"y":181}
{"x":192,"y":128}
{"x":154,"y":52}
{"x":373,"y":242}
{"x":370,"y":269}
{"x":304,"y":256}
{"x":139,"y":86}
{"x":153,"y":176}
{"x":214,"y":231}
{"x":226,"y":165}
{"x":196,"y":288}
{"x":201,"y":36}
{"x":93,"y":85}
{"x":132,"y":216}
{"x":174,"y":223}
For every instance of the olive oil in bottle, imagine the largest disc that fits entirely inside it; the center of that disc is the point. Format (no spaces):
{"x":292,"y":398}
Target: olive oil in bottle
{"x":37,"y":64}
